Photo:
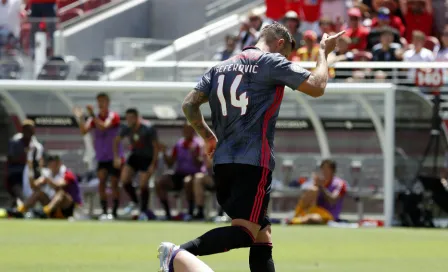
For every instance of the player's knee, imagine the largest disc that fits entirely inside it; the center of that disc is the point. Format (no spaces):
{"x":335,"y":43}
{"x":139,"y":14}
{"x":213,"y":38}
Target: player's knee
{"x":251,"y":228}
{"x":264,"y":236}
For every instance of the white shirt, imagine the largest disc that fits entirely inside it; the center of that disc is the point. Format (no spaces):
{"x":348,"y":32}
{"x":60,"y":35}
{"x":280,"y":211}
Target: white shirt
{"x":34,"y":148}
{"x":10,"y":16}
{"x":442,"y":55}
{"x":425,"y":55}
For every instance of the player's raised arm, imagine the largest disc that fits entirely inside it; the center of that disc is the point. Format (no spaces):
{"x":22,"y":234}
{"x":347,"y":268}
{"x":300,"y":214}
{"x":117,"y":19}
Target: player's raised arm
{"x":315,"y":84}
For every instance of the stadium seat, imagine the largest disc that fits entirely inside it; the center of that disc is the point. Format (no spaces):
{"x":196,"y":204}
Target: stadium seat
{"x":92,"y":70}
{"x":10,"y":68}
{"x":56,"y":68}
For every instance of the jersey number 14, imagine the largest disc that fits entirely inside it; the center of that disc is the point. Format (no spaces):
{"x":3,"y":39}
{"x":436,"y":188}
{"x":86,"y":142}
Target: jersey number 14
{"x":240,"y":102}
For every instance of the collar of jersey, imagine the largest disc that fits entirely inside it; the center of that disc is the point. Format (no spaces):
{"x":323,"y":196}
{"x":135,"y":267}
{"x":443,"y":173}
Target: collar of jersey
{"x":251,"y":47}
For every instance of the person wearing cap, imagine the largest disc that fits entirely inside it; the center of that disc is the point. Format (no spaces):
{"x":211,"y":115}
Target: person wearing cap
{"x":386,"y":49}
{"x":357,"y":33}
{"x":230,"y":49}
{"x":23,"y":150}
{"x":292,"y":23}
{"x":250,"y":30}
{"x":386,"y":18}
{"x":418,"y":16}
{"x":310,"y":50}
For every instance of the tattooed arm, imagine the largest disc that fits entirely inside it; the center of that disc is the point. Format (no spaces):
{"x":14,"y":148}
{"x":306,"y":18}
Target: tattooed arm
{"x":192,"y":111}
{"x":317,"y":81}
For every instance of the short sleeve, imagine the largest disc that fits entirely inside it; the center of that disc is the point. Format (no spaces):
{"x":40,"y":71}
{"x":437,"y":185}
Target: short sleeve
{"x":287,"y":73}
{"x":112,"y":120}
{"x":124,"y":131}
{"x":89,"y":123}
{"x":205,"y":84}
{"x":69,"y":177}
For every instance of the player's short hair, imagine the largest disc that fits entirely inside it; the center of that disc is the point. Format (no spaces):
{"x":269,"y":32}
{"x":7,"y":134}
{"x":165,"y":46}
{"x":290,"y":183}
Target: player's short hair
{"x":133,"y":111}
{"x":277,"y":31}
{"x":28,"y":123}
{"x":53,"y":158}
{"x":330,"y":163}
{"x":102,"y":95}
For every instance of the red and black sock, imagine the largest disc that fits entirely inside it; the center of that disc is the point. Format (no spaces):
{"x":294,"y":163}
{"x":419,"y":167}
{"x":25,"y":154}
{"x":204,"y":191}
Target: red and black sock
{"x":219,"y":240}
{"x":260,"y":258}
{"x":115,"y":207}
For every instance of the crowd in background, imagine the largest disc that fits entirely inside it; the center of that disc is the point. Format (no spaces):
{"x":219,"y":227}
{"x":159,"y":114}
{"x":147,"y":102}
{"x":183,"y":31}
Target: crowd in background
{"x":378,"y":30}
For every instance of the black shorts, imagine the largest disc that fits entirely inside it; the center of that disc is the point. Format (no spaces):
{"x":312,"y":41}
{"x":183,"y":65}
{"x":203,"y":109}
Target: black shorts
{"x":178,"y":181}
{"x":139,"y":163}
{"x":67,"y":212}
{"x":243,"y":191}
{"x":14,"y":179}
{"x":109,"y":167}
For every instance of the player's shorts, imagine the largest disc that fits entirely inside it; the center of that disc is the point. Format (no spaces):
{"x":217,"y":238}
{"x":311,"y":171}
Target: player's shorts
{"x":178,"y":181}
{"x":109,"y":167}
{"x":139,"y":163}
{"x":243,"y":191}
{"x":13,"y":180}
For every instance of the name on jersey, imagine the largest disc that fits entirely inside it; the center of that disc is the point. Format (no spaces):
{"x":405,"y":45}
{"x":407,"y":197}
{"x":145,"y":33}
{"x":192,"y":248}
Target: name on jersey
{"x":238,"y":68}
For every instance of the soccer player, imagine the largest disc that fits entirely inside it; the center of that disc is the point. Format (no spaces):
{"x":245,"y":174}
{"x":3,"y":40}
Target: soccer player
{"x":244,"y":94}
{"x":143,"y":158}
{"x":188,"y":157}
{"x":57,"y":189}
{"x":105,"y":126}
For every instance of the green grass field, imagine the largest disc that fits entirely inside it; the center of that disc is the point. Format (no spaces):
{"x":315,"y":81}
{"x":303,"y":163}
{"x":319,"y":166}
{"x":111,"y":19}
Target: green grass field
{"x":55,"y":246}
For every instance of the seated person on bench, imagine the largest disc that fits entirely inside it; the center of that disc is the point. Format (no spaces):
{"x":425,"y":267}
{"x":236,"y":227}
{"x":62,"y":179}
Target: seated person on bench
{"x":187,"y":157}
{"x":57,"y":189}
{"x":322,"y":198}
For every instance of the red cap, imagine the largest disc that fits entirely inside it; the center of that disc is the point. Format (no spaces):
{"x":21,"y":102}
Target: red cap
{"x":309,"y":34}
{"x":354,"y":12}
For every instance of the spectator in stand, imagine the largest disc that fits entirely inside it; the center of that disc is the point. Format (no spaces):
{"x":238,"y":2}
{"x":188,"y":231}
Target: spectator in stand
{"x":442,"y":55}
{"x":325,"y":26}
{"x":356,"y":31}
{"x":322,"y":198}
{"x":418,"y":16}
{"x":203,"y":182}
{"x":385,"y":18}
{"x":292,"y":23}
{"x":43,"y":11}
{"x":386,"y":50}
{"x":250,"y":30}
{"x":310,"y":51}
{"x":276,"y":9}
{"x":188,"y":158}
{"x":9,"y":20}
{"x":418,"y":53}
{"x":342,"y":53}
{"x":105,"y":127}
{"x":229,"y":51}
{"x":310,"y":13}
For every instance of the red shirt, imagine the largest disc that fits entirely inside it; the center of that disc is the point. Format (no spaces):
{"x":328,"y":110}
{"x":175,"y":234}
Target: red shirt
{"x":311,"y":10}
{"x":111,"y":117}
{"x":395,"y":22}
{"x":422,"y":22}
{"x":358,"y":36}
{"x":275,"y":9}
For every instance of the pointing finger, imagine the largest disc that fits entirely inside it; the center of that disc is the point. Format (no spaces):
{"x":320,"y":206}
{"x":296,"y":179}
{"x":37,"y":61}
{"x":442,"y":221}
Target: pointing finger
{"x":338,"y":35}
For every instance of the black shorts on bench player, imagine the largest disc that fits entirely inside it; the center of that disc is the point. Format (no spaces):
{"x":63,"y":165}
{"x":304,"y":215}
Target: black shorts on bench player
{"x":142,"y":159}
{"x":187,"y":157}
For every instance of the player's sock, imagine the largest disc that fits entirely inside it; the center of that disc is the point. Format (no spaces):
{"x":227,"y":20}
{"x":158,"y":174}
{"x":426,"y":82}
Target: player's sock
{"x":219,"y":240}
{"x":191,"y":207}
{"x":200,"y":213}
{"x":166,"y":207}
{"x":173,"y":256}
{"x":104,"y":205}
{"x":131,"y":192}
{"x":115,"y":207}
{"x":260,"y":258}
{"x":144,"y":196}
{"x":221,"y":211}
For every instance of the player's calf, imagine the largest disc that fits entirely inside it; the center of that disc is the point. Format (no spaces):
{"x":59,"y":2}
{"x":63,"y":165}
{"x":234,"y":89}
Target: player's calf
{"x":260,"y":257}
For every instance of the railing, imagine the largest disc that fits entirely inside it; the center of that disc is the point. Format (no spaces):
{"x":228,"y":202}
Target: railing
{"x":133,"y":48}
